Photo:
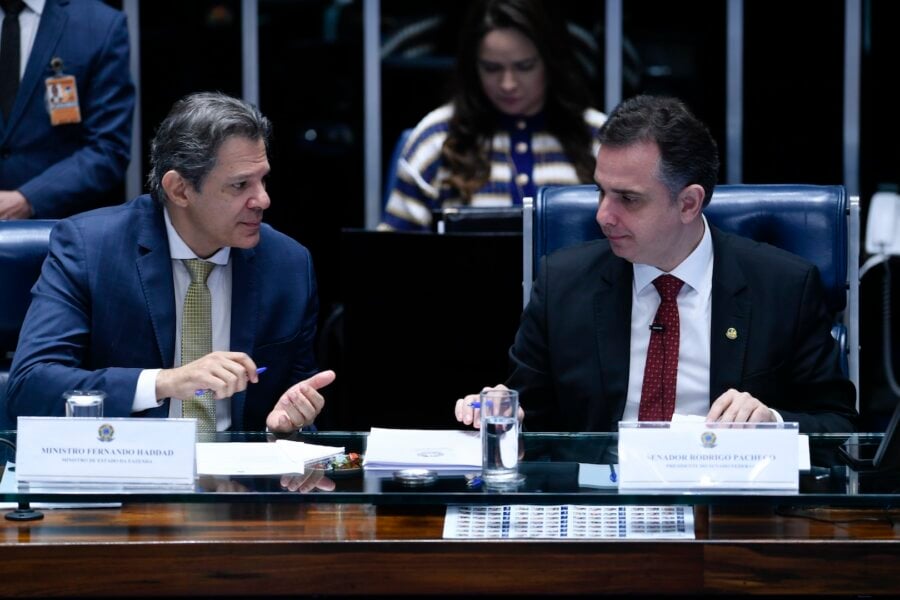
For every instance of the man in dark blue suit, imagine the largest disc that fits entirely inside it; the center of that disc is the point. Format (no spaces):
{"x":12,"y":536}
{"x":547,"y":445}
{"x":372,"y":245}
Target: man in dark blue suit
{"x":749,"y":342}
{"x":109,"y":307}
{"x":53,"y":171}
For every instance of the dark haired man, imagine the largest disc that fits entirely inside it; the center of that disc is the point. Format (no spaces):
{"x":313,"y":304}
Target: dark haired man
{"x":744,"y":335}
{"x":173,"y":302}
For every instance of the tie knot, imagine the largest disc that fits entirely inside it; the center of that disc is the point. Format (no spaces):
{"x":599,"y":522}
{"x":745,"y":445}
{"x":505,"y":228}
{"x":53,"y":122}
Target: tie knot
{"x":12,"y":8}
{"x":199,"y":269}
{"x":668,"y":287}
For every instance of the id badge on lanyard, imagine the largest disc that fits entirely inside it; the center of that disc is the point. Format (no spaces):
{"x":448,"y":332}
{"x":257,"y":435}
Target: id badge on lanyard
{"x":62,"y":96}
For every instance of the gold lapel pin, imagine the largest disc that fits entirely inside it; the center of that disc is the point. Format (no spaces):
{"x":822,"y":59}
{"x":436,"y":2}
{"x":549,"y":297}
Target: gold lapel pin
{"x":731,"y":334}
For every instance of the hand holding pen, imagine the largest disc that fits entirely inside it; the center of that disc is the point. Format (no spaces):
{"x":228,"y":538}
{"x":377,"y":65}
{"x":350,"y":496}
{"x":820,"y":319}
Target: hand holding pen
{"x":222,"y":373}
{"x":259,"y":371}
{"x":468,"y":409}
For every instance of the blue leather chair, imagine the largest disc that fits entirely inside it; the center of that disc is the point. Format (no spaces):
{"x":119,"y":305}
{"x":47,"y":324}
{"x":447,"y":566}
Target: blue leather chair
{"x":23,"y":247}
{"x":819,"y":223}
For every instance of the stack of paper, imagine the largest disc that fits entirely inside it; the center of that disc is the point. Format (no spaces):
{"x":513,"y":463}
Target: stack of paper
{"x":249,"y":458}
{"x":442,"y":450}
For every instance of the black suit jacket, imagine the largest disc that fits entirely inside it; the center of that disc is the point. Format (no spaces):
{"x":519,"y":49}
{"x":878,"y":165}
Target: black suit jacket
{"x":571,"y":355}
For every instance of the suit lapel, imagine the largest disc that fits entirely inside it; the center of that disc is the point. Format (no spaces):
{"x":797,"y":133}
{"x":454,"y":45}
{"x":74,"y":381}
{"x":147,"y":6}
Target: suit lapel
{"x":612,"y":315}
{"x":730,"y":321}
{"x":154,"y":266}
{"x":50,"y":30}
{"x":244,"y":300}
{"x":244,"y":313}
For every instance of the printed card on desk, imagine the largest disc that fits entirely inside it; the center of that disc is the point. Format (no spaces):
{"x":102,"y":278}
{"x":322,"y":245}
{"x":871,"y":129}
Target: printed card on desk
{"x":708,"y":457}
{"x":106,"y":453}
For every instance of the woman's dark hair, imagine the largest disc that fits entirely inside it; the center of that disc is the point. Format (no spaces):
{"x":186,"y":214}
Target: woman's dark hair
{"x":475,"y":118}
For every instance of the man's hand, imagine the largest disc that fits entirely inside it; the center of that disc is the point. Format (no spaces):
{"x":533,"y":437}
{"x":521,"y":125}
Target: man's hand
{"x":468,"y":414}
{"x":312,"y":479}
{"x":739,"y":407}
{"x":300,"y":404}
{"x":13,"y":205}
{"x":225,"y":373}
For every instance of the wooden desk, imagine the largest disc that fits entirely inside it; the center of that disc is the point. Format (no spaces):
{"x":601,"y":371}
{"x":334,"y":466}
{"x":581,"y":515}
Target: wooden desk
{"x":299,"y":549}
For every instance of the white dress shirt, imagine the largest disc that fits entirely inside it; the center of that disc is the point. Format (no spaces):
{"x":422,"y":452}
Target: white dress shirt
{"x":219,"y":284}
{"x":694,"y":314}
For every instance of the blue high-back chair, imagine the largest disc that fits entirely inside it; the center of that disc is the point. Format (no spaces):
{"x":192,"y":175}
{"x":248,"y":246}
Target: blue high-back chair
{"x":819,"y":223}
{"x":23,"y":247}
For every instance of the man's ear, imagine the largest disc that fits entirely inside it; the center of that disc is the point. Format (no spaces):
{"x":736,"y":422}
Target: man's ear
{"x":691,"y":201}
{"x":176,"y":188}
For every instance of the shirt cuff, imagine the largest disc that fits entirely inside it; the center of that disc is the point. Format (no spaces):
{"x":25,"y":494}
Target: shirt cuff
{"x":778,"y":417}
{"x":145,"y":393}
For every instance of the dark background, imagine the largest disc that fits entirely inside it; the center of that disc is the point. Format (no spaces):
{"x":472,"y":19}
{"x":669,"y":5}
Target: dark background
{"x":311,"y":86}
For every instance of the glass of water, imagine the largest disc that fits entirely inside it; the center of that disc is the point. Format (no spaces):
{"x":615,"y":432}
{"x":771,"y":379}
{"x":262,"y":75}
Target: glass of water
{"x":88,"y":403}
{"x":499,"y":436}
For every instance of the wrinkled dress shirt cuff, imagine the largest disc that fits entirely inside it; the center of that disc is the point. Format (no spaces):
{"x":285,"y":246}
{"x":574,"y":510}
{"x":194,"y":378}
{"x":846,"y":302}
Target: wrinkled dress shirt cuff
{"x":145,"y":393}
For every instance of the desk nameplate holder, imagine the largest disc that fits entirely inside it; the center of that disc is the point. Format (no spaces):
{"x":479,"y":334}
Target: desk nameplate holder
{"x":708,"y":457}
{"x":105,"y":454}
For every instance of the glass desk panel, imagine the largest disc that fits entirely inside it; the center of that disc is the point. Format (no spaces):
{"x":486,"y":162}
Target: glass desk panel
{"x":551,"y":463}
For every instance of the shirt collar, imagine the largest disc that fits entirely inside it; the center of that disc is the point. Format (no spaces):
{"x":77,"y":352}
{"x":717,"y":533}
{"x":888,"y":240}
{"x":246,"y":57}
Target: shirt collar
{"x":36,"y":6}
{"x":178,"y":250}
{"x":693,"y":270}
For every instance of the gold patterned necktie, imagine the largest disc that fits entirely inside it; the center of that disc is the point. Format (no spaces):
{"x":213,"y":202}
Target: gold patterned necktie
{"x":196,"y":340}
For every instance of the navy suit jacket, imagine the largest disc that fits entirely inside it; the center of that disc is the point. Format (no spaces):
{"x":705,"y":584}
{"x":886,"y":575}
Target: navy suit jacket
{"x":572,"y":351}
{"x":66,"y":169}
{"x":103,"y":309}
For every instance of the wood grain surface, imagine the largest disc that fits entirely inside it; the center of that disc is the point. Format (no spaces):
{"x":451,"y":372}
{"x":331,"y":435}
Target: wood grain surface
{"x":285,"y":549}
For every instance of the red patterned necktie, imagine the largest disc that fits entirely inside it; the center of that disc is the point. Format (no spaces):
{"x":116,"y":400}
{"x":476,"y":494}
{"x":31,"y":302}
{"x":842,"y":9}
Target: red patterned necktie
{"x":661,"y":370}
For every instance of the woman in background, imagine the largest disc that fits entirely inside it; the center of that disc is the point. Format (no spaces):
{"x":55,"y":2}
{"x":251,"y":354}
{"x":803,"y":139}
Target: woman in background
{"x":520,"y":119}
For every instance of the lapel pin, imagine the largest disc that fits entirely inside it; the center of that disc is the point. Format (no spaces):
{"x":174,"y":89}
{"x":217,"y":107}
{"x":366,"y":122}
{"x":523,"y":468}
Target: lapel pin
{"x":731,"y":333}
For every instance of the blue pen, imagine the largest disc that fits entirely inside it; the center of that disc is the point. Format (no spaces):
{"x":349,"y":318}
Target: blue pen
{"x":259,"y":371}
{"x":475,"y":404}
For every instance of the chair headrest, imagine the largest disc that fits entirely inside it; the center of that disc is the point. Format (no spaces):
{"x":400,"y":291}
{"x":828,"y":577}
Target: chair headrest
{"x":807,"y":220}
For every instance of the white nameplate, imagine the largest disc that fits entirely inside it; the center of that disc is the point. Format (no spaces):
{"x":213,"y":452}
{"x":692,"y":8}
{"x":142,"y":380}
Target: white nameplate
{"x":692,"y":456}
{"x":105,"y":453}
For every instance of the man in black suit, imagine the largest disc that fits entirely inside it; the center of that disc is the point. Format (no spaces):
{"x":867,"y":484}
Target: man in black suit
{"x":752,"y":333}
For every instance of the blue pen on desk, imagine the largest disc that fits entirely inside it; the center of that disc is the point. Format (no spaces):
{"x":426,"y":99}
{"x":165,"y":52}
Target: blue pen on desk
{"x":259,"y":371}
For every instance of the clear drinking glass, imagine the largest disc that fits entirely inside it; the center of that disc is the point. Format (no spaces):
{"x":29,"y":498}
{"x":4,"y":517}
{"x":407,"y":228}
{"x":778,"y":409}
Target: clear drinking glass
{"x":84,"y":403}
{"x":499,"y":435}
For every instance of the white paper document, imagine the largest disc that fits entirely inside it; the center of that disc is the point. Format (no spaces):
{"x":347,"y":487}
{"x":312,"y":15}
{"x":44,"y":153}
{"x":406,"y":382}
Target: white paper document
{"x":598,"y":476}
{"x":442,"y":449}
{"x":569,"y":521}
{"x":250,"y":458}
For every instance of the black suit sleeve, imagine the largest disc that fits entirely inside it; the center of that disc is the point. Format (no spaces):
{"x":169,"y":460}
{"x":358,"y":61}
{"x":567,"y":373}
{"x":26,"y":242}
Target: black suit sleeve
{"x":530,"y":362}
{"x":817,"y":394}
